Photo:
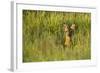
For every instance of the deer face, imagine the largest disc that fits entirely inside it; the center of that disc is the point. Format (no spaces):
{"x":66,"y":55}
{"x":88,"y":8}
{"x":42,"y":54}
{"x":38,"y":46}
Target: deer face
{"x":68,"y":34}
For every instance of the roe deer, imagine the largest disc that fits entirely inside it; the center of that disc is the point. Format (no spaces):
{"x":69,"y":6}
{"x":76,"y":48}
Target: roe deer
{"x":68,"y":32}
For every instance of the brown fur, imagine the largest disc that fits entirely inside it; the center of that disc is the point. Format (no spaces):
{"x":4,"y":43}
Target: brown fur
{"x":68,"y":34}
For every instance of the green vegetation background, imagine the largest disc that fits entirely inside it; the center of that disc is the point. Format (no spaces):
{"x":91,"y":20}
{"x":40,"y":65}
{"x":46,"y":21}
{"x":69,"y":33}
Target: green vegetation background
{"x":43,"y":36}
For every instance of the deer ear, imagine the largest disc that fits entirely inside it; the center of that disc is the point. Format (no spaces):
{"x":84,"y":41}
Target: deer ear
{"x":65,"y":27}
{"x":73,"y":26}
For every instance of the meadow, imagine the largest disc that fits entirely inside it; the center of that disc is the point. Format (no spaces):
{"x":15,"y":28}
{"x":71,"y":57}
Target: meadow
{"x":43,"y":36}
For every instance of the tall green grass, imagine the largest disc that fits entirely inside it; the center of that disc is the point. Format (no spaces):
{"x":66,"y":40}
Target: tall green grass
{"x":43,"y":36}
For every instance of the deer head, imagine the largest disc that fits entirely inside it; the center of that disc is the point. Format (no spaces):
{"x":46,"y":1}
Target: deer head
{"x":69,"y":31}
